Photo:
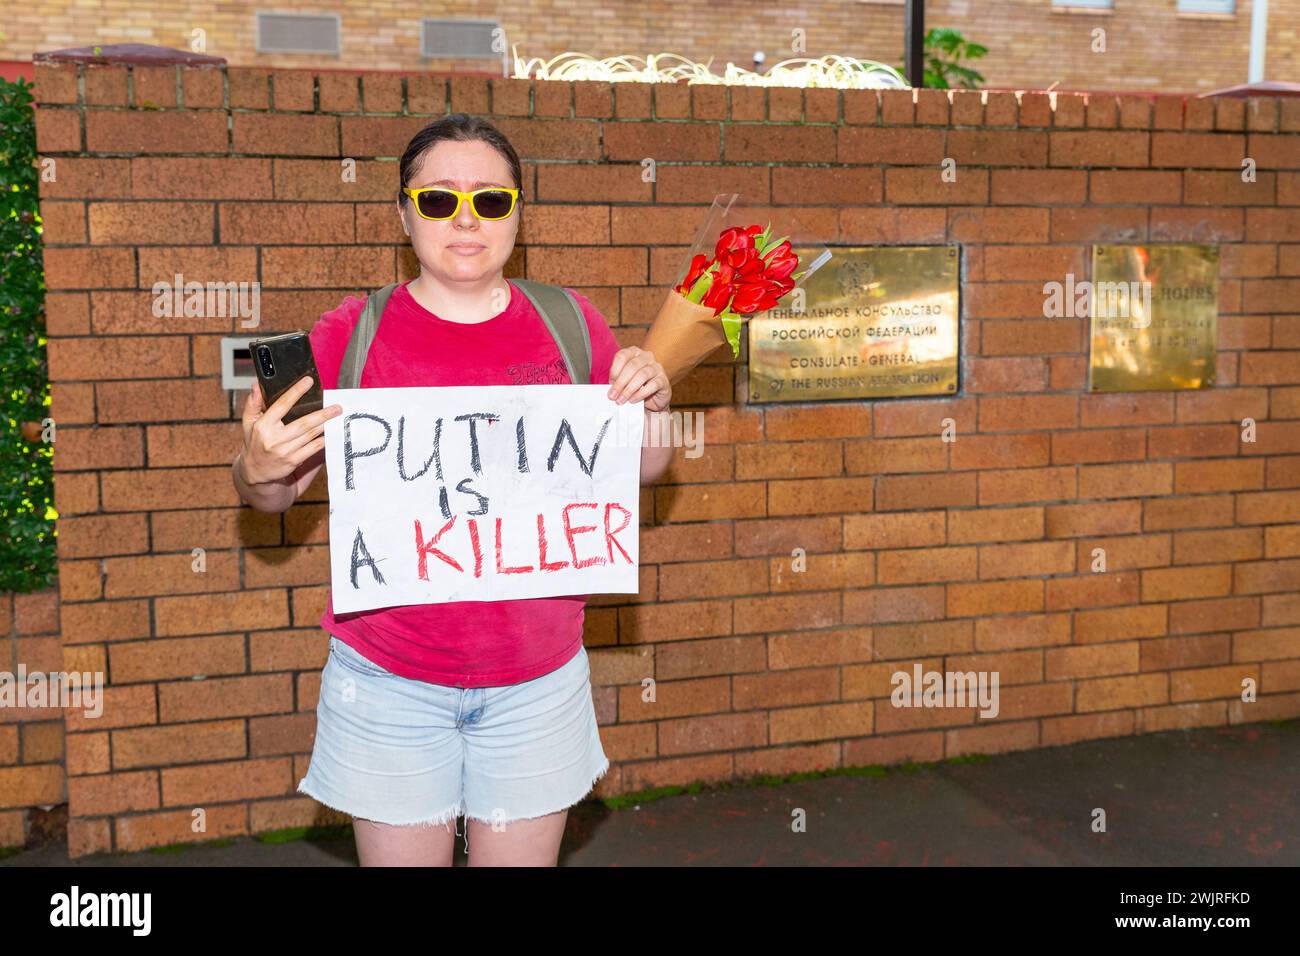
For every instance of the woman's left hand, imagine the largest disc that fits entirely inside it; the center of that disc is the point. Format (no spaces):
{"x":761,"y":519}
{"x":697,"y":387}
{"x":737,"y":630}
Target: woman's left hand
{"x":634,"y":375}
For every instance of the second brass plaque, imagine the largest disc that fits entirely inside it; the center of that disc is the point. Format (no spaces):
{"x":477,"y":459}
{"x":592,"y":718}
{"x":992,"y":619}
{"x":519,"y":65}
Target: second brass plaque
{"x":1154,"y":311}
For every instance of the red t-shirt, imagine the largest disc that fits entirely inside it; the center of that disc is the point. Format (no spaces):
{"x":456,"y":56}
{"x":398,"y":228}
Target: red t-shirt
{"x":461,"y":643}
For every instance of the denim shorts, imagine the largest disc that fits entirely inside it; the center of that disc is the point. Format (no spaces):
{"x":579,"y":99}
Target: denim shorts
{"x":407,"y":752}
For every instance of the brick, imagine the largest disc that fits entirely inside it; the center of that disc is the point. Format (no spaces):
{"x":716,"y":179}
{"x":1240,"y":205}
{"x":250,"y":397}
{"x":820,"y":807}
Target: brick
{"x":55,"y":83}
{"x":873,"y":146}
{"x":991,"y":524}
{"x":719,"y":732}
{"x":1021,"y":631}
{"x":905,"y":641}
{"x":766,"y":536}
{"x":784,"y":612}
{"x":1215,"y":150}
{"x":664,"y":142}
{"x":125,"y":402}
{"x":224,"y":697}
{"x":821,"y":722}
{"x":1092,"y":590}
{"x":118,"y":358}
{"x":178,"y":445}
{"x":922,"y":565}
{"x":1181,"y":652}
{"x":106,"y":84}
{"x":1205,"y":683}
{"x":123,"y":707}
{"x":286,"y":135}
{"x":203,"y":87}
{"x":104,"y":621}
{"x":89,"y":268}
{"x":112,"y":793}
{"x":1025,"y":560}
{"x":819,"y":496}
{"x":181,"y":573}
{"x":144,"y":831}
{"x":695,"y":579}
{"x":191,"y":658}
{"x":219,"y":613}
{"x":905,"y":529}
{"x":96,"y":535}
{"x":994,"y":597}
{"x":1003,"y":413}
{"x":267,"y":567}
{"x":84,"y":449}
{"x":223,"y":782}
{"x":173,"y":131}
{"x":1015,"y":486}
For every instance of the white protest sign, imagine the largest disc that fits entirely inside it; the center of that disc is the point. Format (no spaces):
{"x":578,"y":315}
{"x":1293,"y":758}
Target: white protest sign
{"x":459,"y":493}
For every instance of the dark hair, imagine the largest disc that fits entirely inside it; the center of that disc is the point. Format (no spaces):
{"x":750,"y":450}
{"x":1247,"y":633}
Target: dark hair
{"x":460,"y":127}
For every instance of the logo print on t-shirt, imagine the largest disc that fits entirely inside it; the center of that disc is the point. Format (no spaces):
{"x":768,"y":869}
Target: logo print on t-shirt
{"x":535,"y":373}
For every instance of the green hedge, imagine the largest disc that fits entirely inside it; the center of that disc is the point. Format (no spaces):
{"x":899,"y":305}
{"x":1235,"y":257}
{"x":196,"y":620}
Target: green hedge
{"x":27,"y":531}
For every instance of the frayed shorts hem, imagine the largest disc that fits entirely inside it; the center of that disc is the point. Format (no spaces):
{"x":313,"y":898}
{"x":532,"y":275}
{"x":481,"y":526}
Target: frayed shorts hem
{"x":441,"y":820}
{"x":452,"y":814}
{"x":564,"y":805}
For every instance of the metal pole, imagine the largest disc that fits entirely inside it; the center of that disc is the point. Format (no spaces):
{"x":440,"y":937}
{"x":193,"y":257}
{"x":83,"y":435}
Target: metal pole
{"x":914,"y":41}
{"x":1258,"y":40}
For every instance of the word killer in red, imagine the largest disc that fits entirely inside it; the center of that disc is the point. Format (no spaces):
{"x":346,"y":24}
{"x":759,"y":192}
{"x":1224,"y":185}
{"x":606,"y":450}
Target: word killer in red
{"x":459,"y":546}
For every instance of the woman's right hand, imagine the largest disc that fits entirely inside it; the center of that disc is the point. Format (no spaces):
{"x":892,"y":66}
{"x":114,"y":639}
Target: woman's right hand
{"x":273,"y":449}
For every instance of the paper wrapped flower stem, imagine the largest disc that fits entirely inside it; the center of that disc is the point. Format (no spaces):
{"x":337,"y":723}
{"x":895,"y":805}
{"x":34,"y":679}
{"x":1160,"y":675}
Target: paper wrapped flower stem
{"x":682,"y":335}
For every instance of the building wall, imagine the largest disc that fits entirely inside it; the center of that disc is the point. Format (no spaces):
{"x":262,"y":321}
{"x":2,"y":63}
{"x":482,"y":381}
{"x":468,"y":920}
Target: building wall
{"x":1148,"y":44}
{"x":971,"y":555}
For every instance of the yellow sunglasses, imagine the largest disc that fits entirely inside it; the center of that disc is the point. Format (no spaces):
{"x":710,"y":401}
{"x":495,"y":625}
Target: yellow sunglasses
{"x":439,"y":202}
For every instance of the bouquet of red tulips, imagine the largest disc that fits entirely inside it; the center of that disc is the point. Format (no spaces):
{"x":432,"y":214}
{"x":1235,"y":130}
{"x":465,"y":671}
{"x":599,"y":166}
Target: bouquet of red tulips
{"x":748,"y":272}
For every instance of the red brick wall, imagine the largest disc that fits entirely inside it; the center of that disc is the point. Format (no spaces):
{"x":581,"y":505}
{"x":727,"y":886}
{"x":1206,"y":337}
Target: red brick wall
{"x":32,"y":778}
{"x":972,"y":555}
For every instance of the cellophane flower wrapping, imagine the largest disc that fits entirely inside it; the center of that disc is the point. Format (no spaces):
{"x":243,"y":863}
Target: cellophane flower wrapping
{"x":745,"y":260}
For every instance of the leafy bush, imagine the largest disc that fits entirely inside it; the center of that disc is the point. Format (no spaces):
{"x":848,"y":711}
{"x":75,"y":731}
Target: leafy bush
{"x":27,"y":531}
{"x":944,"y":48}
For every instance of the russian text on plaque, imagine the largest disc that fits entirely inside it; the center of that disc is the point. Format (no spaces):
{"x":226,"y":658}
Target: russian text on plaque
{"x":874,"y":321}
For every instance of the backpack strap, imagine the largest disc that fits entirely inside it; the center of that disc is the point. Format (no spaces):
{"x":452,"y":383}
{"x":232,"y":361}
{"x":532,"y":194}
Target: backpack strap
{"x":354,"y":359}
{"x":568,"y":326}
{"x":557,"y":307}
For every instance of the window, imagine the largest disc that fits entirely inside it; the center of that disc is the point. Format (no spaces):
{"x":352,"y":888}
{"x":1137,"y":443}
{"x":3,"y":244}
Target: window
{"x":458,"y":39}
{"x":1207,"y":6}
{"x":298,"y":33}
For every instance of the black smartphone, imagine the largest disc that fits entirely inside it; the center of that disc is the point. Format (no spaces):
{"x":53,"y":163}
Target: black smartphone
{"x":280,"y":361}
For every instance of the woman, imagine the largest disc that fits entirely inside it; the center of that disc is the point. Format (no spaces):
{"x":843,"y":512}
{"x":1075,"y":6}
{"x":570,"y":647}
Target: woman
{"x":475,"y":708}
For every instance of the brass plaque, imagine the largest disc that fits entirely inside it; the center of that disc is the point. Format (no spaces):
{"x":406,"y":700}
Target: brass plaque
{"x":876,"y":321}
{"x":1154,"y":311}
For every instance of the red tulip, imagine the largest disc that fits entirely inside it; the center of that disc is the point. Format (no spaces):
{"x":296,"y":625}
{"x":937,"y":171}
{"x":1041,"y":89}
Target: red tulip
{"x":752,"y":266}
{"x":759,"y":295}
{"x":781,"y":262}
{"x":736,"y":246}
{"x":747,"y":299}
{"x":720,"y":292}
{"x":698,"y":265}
